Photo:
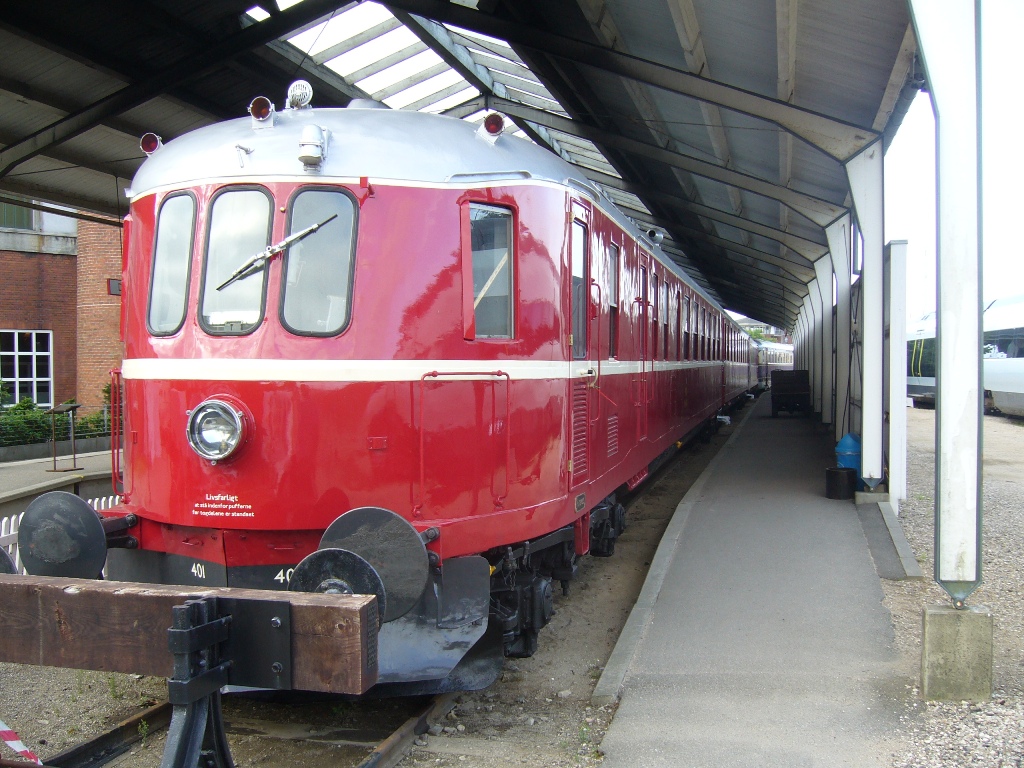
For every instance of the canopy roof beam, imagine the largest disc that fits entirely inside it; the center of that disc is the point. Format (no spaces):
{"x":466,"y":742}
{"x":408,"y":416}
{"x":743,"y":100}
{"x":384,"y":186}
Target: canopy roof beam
{"x":808,"y":249}
{"x":820,"y":212}
{"x":141,"y":91}
{"x":458,"y":57}
{"x":836,"y":138}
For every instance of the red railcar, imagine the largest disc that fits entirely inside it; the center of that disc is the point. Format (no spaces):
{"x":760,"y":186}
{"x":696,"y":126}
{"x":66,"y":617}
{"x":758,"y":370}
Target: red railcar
{"x":374,"y":350}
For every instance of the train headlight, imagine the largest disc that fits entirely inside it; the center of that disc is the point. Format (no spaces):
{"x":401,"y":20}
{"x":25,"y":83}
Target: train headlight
{"x":216,"y":430}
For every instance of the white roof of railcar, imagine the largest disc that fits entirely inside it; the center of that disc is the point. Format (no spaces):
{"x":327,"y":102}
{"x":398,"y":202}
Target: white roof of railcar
{"x":366,"y":140}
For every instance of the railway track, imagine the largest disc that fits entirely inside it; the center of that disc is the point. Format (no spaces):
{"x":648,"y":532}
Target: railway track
{"x":524,"y":719}
{"x":256,"y":727}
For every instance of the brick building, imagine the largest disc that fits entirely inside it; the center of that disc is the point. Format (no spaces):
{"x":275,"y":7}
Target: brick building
{"x":58,"y":323}
{"x":99,"y":311}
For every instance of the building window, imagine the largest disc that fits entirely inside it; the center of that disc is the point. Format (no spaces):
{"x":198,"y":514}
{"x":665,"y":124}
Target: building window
{"x":26,"y":366}
{"x":15,"y":217}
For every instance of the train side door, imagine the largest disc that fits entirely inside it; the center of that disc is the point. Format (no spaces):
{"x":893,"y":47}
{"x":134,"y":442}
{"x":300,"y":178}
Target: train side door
{"x":581,"y":368}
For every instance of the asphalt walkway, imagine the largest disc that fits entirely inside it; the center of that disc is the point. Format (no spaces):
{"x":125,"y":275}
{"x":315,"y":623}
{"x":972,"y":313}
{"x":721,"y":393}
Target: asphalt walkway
{"x":31,"y":477}
{"x":760,"y":638}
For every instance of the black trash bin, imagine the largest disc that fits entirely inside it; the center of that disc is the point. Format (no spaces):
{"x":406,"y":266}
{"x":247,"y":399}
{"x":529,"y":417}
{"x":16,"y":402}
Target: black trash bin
{"x":840,"y":482}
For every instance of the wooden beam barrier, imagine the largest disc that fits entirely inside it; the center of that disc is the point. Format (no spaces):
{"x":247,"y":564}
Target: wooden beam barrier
{"x":113,"y":626}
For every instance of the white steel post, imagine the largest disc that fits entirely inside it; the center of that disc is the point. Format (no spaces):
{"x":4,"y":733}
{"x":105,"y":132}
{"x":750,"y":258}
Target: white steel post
{"x":866,"y":184}
{"x":809,"y":343}
{"x":948,"y":33}
{"x":819,"y":359}
{"x":823,"y":270}
{"x":896,"y":303}
{"x":803,"y":337}
{"x":838,"y":233}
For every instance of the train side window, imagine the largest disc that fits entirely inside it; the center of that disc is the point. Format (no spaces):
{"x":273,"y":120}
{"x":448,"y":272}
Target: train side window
{"x":580,"y":290}
{"x":613,"y":300}
{"x":686,"y":328}
{"x":493,"y":289}
{"x":703,"y":333}
{"x":643,"y":313}
{"x":239,"y":230}
{"x":318,"y":269}
{"x":679,"y":325}
{"x":664,"y":317}
{"x":656,"y":323}
{"x":172,"y":257}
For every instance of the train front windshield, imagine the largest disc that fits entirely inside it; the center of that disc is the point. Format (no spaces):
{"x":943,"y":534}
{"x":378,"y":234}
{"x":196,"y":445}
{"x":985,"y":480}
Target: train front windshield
{"x":317,"y":256}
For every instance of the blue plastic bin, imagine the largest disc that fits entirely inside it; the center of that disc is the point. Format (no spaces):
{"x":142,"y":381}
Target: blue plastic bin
{"x":848,"y":455}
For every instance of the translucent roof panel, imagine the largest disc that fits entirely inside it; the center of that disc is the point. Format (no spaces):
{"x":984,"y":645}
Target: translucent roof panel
{"x":400,"y":66}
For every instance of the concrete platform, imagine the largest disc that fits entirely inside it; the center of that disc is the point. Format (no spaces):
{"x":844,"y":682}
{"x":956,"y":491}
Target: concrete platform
{"x":760,"y":638}
{"x":21,"y":481}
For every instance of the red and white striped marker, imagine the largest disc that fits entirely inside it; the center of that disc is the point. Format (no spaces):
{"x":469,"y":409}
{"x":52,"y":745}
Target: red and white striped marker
{"x":15,"y":743}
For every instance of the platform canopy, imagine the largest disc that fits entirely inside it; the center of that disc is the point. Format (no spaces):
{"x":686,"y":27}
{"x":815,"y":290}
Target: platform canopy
{"x":724,"y":125}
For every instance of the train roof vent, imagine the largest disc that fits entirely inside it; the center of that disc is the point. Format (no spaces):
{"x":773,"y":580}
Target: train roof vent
{"x":366,"y":104}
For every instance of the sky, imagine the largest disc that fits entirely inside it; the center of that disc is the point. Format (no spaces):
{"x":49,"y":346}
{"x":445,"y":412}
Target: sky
{"x":910,"y":171}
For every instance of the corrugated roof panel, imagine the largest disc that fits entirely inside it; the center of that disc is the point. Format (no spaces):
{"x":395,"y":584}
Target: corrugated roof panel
{"x":847,"y":51}
{"x":400,"y":72}
{"x":740,"y":41}
{"x":453,"y":100}
{"x":844,"y":79}
{"x":425,"y":88}
{"x":341,"y":27}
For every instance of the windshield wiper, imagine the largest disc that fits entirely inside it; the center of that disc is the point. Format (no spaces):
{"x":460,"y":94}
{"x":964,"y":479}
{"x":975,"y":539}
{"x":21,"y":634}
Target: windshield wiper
{"x":257,"y":262}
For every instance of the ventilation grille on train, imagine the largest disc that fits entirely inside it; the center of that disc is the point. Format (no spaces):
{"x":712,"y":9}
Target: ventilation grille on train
{"x":613,"y":434}
{"x":579,"y":430}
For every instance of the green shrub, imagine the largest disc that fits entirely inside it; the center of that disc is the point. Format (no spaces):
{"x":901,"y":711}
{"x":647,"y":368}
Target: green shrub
{"x":25,"y":423}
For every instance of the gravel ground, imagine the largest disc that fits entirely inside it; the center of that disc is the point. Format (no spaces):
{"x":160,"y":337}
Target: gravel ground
{"x":988,"y":734}
{"x":538,"y":715}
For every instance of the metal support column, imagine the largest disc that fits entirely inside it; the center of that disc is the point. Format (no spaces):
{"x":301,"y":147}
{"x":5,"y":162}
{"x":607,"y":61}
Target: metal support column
{"x":800,"y":340}
{"x":817,"y":343}
{"x":948,"y":32}
{"x":864,"y":172}
{"x":896,"y":394}
{"x":823,"y":270}
{"x":838,"y":233}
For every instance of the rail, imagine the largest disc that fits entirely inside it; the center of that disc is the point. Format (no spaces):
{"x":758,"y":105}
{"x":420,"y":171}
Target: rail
{"x":115,"y":742}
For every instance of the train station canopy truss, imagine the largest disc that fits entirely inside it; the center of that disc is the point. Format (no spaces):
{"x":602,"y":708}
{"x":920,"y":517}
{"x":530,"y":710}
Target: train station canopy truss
{"x":723,"y":125}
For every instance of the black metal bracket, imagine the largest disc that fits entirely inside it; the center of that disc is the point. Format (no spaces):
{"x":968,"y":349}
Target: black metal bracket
{"x":218,"y":641}
{"x":196,"y":738}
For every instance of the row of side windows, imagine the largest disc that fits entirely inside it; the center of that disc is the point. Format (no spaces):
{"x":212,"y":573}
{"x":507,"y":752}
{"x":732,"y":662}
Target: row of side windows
{"x":695,"y":336}
{"x":697,"y":331}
